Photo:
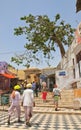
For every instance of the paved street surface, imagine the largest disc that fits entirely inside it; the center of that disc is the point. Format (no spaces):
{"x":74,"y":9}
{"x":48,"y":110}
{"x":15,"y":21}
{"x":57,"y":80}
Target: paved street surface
{"x":41,"y":121}
{"x":44,"y":118}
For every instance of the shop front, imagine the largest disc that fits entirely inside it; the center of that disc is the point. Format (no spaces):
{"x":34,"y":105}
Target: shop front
{"x":5,"y":77}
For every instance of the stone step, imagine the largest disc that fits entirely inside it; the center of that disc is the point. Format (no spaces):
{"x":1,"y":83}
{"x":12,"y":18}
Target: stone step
{"x":67,"y":98}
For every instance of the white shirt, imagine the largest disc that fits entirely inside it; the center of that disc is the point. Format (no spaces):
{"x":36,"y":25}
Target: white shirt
{"x":28,"y":97}
{"x":56,"y":91}
{"x":16,"y":101}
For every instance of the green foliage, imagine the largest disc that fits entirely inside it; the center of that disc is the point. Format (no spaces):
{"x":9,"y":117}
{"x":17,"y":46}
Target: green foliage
{"x":16,"y":60}
{"x":10,"y":66}
{"x":26,"y":58}
{"x":42,"y":34}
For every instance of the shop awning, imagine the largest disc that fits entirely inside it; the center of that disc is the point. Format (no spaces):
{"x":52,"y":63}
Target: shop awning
{"x":8,"y":75}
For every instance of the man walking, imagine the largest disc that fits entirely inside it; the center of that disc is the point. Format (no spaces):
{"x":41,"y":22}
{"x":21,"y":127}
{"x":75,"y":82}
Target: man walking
{"x":27,"y":101}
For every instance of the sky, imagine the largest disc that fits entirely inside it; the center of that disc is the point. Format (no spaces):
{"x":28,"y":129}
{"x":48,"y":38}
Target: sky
{"x":12,"y":10}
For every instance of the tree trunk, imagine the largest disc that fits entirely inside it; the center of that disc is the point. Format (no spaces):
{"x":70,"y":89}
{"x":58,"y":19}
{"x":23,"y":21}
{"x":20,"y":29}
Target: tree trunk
{"x":62,"y":50}
{"x":59,"y":44}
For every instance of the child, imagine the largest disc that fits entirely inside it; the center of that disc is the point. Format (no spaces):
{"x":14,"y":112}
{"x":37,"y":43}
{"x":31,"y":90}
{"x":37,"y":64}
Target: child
{"x":44,"y":95}
{"x":56,"y":96}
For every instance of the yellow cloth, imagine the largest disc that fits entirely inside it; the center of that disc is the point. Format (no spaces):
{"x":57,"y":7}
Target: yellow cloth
{"x":77,"y":93}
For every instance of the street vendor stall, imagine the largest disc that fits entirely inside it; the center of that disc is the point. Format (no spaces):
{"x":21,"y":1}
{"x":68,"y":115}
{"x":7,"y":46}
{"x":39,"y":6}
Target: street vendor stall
{"x":5,"y":76}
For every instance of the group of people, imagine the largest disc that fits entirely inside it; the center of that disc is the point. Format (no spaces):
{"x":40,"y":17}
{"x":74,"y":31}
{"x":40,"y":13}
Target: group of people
{"x":56,"y":95}
{"x":27,"y":101}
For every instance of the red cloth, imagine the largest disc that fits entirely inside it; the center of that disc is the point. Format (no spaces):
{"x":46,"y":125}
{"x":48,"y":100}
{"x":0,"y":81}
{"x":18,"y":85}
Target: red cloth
{"x":7,"y":75}
{"x":44,"y":94}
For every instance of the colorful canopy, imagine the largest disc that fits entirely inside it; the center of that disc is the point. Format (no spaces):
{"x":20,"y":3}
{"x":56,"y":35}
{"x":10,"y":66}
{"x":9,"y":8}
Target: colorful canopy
{"x":8,"y":75}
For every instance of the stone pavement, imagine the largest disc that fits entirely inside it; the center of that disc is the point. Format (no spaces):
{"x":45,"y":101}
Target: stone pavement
{"x":42,"y":121}
{"x":47,"y":109}
{"x":44,"y":118}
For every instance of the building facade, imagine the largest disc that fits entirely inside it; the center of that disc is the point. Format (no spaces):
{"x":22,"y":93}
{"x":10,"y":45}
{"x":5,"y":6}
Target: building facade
{"x":71,"y":64}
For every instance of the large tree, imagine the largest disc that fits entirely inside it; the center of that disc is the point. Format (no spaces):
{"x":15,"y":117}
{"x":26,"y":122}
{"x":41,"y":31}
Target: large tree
{"x":42,"y":34}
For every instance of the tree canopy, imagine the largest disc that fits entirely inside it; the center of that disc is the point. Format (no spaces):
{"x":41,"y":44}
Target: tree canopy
{"x":42,"y":34}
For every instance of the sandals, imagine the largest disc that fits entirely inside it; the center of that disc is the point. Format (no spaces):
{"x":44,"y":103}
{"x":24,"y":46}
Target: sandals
{"x":28,"y":124}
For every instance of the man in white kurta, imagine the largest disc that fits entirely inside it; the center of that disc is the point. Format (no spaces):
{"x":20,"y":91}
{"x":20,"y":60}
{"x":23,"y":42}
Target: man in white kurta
{"x":28,"y":99}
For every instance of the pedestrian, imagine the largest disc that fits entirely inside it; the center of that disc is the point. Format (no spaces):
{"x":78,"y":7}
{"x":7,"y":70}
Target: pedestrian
{"x":15,"y":103}
{"x":27,"y":102}
{"x":56,"y":96}
{"x":44,"y":85}
{"x":33,"y":87}
{"x":36,"y":89}
{"x":44,"y":95}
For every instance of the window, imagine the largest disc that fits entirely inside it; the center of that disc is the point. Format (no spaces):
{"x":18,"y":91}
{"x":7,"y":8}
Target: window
{"x":73,"y":61}
{"x":74,"y":72}
{"x":78,"y":57}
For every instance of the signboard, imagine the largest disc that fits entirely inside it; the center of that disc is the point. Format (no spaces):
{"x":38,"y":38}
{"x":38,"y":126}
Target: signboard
{"x":61,"y":78}
{"x":62,"y":73}
{"x":3,"y":67}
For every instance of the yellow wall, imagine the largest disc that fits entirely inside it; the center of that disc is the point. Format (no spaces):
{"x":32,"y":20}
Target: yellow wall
{"x":32,"y":78}
{"x":77,"y":93}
